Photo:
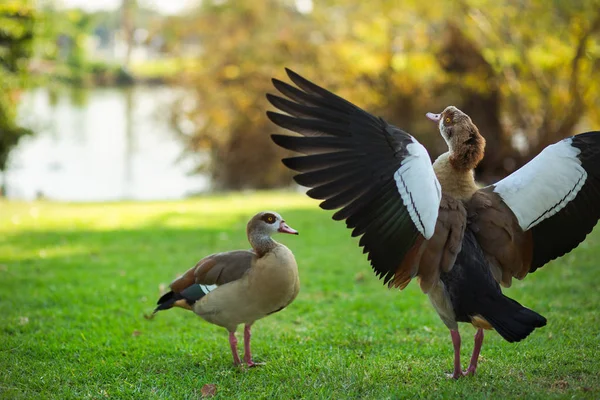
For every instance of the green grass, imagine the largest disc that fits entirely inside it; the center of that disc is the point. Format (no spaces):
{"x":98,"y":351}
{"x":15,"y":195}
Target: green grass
{"x":76,"y":281}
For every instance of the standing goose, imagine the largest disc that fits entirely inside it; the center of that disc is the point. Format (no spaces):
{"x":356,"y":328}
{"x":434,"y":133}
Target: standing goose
{"x":240,"y":286}
{"x":432,"y":221}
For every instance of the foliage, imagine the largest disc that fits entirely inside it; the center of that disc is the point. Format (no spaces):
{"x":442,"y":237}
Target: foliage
{"x":546,"y":59}
{"x":16,"y":36}
{"x":61,"y":47}
{"x":535,"y":75}
{"x":233,"y":77}
{"x":76,"y":280}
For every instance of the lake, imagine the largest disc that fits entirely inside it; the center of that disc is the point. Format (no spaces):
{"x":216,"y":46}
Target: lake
{"x":104,"y":144}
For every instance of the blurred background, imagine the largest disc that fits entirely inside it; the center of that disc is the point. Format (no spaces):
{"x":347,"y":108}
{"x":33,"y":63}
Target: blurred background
{"x":138,"y":99}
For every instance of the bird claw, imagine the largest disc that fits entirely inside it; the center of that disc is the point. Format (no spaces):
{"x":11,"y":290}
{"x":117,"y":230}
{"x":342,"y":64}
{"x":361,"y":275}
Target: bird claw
{"x":455,"y":375}
{"x":460,"y":374}
{"x":252,"y":364}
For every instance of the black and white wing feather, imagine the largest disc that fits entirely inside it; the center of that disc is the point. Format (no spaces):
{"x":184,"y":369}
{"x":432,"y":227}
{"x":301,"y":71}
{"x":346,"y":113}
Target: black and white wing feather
{"x":378,"y":177}
{"x":557,"y":196}
{"x":541,"y":211}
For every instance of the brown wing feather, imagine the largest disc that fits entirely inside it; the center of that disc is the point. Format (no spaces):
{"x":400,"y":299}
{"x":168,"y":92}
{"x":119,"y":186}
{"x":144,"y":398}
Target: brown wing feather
{"x":410,"y":265}
{"x":508,"y":249}
{"x":427,"y":258}
{"x":223,"y":268}
{"x":442,"y":249}
{"x":216,"y":269}
{"x":185,"y":280}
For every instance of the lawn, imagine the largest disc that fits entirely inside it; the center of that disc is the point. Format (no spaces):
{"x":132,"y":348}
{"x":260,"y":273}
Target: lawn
{"x":77,"y":279}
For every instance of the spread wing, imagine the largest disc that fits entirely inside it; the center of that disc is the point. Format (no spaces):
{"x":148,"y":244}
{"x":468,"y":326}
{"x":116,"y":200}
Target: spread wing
{"x":378,"y":177}
{"x":216,"y":269}
{"x":542,"y":211}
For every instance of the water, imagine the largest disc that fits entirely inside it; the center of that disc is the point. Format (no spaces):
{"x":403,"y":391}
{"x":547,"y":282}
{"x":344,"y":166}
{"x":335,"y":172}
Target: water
{"x":93,"y":149}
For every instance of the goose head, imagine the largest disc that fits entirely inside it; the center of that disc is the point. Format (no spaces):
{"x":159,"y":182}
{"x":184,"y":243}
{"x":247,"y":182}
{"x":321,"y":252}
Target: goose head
{"x":267,"y":223}
{"x":464,"y":141}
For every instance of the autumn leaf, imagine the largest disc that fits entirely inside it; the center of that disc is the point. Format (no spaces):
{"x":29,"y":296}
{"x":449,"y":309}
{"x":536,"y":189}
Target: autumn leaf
{"x":209,"y":390}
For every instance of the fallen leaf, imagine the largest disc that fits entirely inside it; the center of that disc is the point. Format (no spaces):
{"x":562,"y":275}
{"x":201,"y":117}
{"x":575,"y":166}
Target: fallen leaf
{"x":560,"y":384}
{"x":23,"y":320}
{"x":136,"y":333}
{"x":209,"y":390}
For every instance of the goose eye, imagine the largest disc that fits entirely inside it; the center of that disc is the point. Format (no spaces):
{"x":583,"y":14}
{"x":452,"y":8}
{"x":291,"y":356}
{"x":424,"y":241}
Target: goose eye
{"x":270,"y":219}
{"x":447,"y":120}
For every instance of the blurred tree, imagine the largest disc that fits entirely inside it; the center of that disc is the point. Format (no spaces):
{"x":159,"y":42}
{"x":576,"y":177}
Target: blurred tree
{"x":545,"y":58}
{"x":128,"y":8}
{"x":525,"y":84}
{"x":386,"y":52}
{"x":16,"y":37}
{"x":526,"y":72}
{"x":243,"y":44}
{"x":60,"y":45}
{"x":474,"y":83}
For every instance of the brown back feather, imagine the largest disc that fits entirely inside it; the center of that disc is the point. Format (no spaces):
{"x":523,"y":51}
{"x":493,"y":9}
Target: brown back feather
{"x":427,"y":258}
{"x":216,"y":269}
{"x":445,"y":244}
{"x":508,"y":249}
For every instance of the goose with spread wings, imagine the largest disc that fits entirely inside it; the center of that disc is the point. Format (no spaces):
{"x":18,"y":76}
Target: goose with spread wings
{"x":432,"y":221}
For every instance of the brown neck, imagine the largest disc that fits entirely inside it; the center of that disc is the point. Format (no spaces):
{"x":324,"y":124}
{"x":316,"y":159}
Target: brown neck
{"x":458,"y":183}
{"x":466,"y":155}
{"x":261,"y":243}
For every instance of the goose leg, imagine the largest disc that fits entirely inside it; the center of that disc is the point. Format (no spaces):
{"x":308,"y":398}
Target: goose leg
{"x":247,"y":352}
{"x":476,"y":350}
{"x":456,"y":343}
{"x":233,"y":343}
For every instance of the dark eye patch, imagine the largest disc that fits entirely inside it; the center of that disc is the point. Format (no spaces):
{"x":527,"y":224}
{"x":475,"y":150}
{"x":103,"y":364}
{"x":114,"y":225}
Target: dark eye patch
{"x":269,"y":218}
{"x":449,"y":116}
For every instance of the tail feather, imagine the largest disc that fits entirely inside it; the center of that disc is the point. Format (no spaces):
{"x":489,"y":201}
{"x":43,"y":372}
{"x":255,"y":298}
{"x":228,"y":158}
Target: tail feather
{"x":513,"y":321}
{"x":167,"y":301}
{"x":191,"y":294}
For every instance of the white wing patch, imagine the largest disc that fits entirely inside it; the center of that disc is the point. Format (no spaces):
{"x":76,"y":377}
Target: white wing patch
{"x":207,"y":288}
{"x":545,"y":185}
{"x":419,"y":188}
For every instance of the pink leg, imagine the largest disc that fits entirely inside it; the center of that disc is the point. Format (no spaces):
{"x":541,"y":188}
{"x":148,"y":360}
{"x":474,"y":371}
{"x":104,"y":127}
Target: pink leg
{"x":233,"y":343}
{"x":456,"y":343}
{"x":247,"y":352}
{"x":476,"y":351}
